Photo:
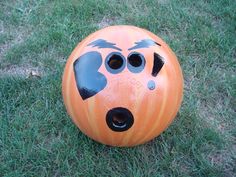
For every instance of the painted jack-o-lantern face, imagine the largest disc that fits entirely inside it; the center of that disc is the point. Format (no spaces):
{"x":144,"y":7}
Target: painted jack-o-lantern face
{"x":122,"y":86}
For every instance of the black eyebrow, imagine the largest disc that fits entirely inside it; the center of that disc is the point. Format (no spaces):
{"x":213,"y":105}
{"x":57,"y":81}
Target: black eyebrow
{"x":101,"y":43}
{"x":145,"y":43}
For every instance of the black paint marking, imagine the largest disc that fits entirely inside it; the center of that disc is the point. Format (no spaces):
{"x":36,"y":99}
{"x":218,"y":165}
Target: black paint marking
{"x":145,"y":43}
{"x":115,"y":62}
{"x":136,"y":62}
{"x":119,"y":119}
{"x":101,"y":43}
{"x":157,"y":65}
{"x":88,"y":80}
{"x":151,"y":85}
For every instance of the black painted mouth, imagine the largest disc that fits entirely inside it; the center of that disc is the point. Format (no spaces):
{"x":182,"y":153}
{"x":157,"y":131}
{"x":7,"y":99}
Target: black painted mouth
{"x":119,"y":119}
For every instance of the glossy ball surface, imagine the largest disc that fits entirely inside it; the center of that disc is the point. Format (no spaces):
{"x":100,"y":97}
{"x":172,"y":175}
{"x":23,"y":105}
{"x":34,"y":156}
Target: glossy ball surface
{"x":122,"y":86}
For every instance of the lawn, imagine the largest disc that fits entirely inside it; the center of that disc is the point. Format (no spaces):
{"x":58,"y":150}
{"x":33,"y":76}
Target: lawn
{"x":37,"y":137}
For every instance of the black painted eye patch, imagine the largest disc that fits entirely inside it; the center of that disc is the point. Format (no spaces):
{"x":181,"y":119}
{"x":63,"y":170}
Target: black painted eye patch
{"x":88,"y":80}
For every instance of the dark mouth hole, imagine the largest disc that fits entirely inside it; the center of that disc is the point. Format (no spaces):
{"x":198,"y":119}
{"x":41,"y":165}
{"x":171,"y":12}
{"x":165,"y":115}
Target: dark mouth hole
{"x":119,"y":119}
{"x":135,"y":60}
{"x":115,"y":61}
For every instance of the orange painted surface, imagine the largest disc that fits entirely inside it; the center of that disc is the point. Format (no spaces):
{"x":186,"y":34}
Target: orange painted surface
{"x":153,"y":110}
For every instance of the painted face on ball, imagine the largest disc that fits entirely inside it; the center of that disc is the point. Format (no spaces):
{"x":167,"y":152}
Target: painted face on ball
{"x":90,"y":81}
{"x":122,"y":85}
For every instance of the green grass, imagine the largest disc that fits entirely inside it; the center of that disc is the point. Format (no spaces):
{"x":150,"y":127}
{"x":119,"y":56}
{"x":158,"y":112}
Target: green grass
{"x":37,"y":137}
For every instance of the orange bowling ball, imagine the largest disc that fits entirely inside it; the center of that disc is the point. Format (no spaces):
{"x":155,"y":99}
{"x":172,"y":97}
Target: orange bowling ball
{"x":122,"y":86}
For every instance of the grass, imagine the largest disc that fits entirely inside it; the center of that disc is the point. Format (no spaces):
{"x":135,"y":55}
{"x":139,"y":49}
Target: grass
{"x":37,"y":137}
